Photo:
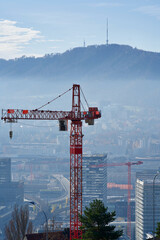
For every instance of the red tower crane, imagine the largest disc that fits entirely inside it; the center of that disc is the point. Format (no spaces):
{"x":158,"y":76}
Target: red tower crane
{"x":76,"y":116}
{"x":129,"y":164}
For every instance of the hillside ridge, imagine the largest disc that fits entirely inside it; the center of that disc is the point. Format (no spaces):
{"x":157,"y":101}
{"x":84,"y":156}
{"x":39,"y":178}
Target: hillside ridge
{"x":112,"y":62}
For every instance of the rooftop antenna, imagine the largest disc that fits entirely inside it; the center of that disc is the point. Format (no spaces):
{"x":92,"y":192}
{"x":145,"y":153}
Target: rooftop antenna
{"x":84,"y":43}
{"x":107,"y":32}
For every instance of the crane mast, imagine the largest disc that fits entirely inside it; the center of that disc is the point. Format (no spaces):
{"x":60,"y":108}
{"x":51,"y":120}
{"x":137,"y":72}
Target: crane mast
{"x":75,"y":167}
{"x":76,"y":116}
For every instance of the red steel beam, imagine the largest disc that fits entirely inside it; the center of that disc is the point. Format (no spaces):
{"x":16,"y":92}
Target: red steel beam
{"x":75,"y":167}
{"x":12,"y":115}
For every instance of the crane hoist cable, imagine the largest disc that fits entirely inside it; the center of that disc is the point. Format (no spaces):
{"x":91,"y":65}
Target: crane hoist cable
{"x":61,"y":96}
{"x":51,"y":102}
{"x":82,"y":106}
{"x":84,"y":98}
{"x":53,"y":99}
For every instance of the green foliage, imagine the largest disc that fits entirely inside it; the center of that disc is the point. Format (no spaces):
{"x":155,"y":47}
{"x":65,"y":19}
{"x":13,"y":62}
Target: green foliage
{"x":158,"y":230}
{"x":95,"y":222}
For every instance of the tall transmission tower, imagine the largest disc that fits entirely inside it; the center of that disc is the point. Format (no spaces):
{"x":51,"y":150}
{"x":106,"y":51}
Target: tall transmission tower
{"x":84,"y":43}
{"x":107,"y":41}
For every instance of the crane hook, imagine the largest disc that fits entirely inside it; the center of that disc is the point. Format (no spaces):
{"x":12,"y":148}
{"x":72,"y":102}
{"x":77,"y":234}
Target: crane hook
{"x":11,"y":132}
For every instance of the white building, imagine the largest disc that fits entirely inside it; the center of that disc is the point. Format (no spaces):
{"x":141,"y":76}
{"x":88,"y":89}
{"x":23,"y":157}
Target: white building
{"x":144,"y":206}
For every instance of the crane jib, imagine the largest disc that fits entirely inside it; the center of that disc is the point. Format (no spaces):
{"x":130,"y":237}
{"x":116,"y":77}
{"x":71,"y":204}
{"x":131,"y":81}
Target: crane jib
{"x":18,"y":114}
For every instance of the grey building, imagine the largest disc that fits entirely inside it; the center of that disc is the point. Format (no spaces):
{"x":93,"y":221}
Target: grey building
{"x":94,"y":184}
{"x":11,"y":193}
{"x":144,"y":204}
{"x":5,"y":170}
{"x":121,"y":209}
{"x":146,"y":174}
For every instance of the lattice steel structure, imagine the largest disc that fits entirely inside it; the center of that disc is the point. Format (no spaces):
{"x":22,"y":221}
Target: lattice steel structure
{"x":76,"y":116}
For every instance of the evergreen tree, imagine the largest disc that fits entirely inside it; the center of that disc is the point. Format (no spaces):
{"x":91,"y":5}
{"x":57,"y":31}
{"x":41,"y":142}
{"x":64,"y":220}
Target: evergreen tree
{"x":95,"y":222}
{"x":158,"y":230}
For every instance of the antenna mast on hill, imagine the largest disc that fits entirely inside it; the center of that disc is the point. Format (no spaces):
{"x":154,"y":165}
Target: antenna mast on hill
{"x":84,"y":43}
{"x":107,"y":32}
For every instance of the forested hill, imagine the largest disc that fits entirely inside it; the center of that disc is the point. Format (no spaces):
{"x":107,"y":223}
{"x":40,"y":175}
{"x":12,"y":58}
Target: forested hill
{"x":113,"y":62}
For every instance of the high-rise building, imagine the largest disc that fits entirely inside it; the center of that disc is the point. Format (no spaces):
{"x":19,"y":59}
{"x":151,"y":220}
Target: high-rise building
{"x":5,"y":170}
{"x":147,"y":206}
{"x":94,"y":179}
{"x":121,"y":209}
{"x":146,"y":174}
{"x":11,"y":192}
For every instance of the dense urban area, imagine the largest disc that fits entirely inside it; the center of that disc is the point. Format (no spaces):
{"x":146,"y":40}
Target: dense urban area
{"x":35,"y":167}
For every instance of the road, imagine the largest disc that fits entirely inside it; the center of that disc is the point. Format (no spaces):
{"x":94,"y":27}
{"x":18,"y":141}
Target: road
{"x":66,"y":185}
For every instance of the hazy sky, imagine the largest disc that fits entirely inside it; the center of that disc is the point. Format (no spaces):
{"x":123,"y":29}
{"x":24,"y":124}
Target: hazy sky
{"x":38,"y":27}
